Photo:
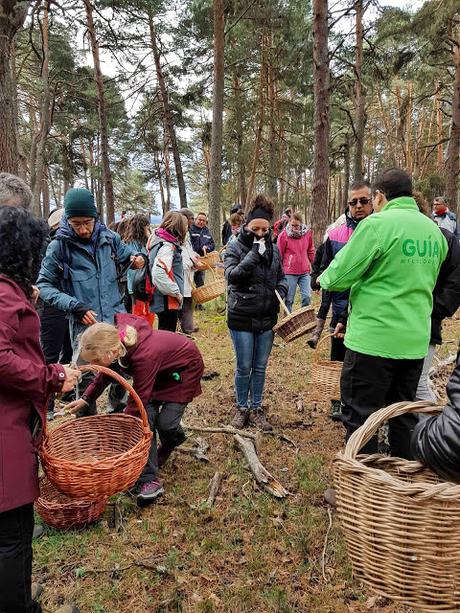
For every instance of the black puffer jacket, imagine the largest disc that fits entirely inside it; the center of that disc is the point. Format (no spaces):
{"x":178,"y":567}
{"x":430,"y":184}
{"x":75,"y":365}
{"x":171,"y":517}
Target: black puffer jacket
{"x":436,"y":440}
{"x":446,"y":294}
{"x":252,"y":279}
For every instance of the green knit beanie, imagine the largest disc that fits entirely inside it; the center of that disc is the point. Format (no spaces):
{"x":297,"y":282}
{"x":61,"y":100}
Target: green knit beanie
{"x":79,"y":202}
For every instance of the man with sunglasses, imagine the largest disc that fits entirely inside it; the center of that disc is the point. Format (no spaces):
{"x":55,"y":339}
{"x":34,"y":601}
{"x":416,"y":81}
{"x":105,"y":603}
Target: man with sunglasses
{"x":358,"y":208}
{"x":390,"y":265}
{"x":79,"y":272}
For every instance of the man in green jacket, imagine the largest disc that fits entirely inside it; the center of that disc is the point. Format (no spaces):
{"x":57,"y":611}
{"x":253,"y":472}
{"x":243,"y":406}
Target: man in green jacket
{"x":391,"y":264}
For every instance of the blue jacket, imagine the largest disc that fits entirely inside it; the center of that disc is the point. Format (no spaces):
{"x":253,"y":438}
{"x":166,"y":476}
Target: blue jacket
{"x":201,"y":237}
{"x":90,"y":270}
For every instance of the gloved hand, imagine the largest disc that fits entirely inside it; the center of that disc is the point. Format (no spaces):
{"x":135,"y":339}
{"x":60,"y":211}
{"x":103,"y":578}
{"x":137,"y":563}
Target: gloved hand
{"x":261,"y":245}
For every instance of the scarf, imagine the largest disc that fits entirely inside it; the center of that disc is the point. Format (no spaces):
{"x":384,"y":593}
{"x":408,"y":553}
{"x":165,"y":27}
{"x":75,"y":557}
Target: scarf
{"x":165,"y":235}
{"x":296,"y":233}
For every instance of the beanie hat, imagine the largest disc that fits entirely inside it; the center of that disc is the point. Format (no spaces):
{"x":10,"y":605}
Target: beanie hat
{"x":79,"y":202}
{"x":259,"y":213}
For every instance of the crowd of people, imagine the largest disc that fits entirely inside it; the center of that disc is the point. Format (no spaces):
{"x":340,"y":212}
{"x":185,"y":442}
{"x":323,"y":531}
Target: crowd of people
{"x":74,"y":291}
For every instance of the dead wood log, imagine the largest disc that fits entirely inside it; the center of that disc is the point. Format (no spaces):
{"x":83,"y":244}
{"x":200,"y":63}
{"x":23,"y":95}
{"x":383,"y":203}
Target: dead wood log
{"x":223,"y":430}
{"x":214,"y":486}
{"x":264,"y":479}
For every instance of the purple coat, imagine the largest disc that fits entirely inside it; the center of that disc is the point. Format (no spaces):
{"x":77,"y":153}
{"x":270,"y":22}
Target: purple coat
{"x":25,"y":382}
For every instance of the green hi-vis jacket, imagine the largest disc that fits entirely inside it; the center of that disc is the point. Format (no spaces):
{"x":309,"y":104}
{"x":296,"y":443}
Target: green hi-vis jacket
{"x":391,"y":264}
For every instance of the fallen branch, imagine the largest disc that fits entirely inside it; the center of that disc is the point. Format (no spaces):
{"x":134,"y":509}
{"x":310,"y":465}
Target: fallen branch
{"x":214,"y":485}
{"x":434,"y":370}
{"x":283,"y":437}
{"x":266,"y":480}
{"x":223,"y":430}
{"x":195,"y":452}
{"x":323,"y":556}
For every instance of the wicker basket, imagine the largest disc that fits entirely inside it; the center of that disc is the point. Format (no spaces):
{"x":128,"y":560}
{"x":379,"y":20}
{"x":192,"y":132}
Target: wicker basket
{"x":98,"y":455}
{"x":325,"y":375}
{"x":61,"y":512}
{"x":209,"y":260}
{"x":209,"y":291}
{"x":400,"y":521}
{"x":296,"y":324}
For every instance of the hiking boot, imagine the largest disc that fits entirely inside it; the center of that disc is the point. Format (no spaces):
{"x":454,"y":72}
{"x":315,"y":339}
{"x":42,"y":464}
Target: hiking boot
{"x":336,"y":410}
{"x":36,"y":591}
{"x":68,"y":608}
{"x":258,"y":419}
{"x":149,"y":492}
{"x":316,"y":334}
{"x":240,"y":419}
{"x":330,"y":496}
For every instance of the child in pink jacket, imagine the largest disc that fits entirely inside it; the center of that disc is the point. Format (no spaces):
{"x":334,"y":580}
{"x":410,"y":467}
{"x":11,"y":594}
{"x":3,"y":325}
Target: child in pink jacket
{"x":295,"y":244}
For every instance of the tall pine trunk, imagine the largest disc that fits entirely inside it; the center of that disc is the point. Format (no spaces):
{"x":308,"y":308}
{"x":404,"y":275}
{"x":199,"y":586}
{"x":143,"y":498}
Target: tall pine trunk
{"x":360,"y":113}
{"x":12,"y":16}
{"x":99,"y":79}
{"x":453,"y":147}
{"x":167,"y":111}
{"x":215,"y":179}
{"x":320,"y":183}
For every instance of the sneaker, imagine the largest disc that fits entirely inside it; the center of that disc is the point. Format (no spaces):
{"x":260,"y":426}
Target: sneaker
{"x":336,"y":410}
{"x":240,"y":419}
{"x":150,"y":491}
{"x":258,"y":419}
{"x":330,"y":496}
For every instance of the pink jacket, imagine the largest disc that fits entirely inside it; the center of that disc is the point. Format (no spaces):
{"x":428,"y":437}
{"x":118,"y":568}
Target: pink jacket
{"x":296,"y":253}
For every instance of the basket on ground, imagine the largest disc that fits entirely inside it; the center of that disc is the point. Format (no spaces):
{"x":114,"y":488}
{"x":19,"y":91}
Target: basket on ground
{"x":296,"y":324}
{"x":62,"y":513}
{"x":400,"y":521}
{"x":208,"y":260}
{"x":325,"y":374}
{"x":209,"y":291}
{"x":98,"y":455}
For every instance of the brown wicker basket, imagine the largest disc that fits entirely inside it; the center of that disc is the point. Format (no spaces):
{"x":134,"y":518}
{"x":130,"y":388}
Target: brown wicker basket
{"x":400,"y":521}
{"x":98,"y":455}
{"x":325,"y":375}
{"x":208,"y":260}
{"x":296,"y":324}
{"x":209,"y":291}
{"x":62,"y":513}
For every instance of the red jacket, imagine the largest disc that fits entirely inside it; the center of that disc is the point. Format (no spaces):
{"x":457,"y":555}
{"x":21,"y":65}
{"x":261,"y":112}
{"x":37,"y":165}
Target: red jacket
{"x":25,"y":382}
{"x":151,"y":363}
{"x":297,"y":254}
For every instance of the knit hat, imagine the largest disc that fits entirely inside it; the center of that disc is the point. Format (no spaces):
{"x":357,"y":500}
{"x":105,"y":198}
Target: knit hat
{"x":79,"y":202}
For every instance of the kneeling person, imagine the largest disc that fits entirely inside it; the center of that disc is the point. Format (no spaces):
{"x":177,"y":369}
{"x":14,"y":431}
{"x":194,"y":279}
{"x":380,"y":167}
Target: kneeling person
{"x":166,"y":369}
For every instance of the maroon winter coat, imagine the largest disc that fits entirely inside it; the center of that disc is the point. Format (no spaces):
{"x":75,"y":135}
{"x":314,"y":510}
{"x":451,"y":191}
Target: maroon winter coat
{"x":25,"y":381}
{"x":151,"y":363}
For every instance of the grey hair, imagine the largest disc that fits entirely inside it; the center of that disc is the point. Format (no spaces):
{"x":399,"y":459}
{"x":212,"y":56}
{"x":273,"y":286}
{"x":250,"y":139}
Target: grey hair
{"x":186,"y":213}
{"x":14,"y":188}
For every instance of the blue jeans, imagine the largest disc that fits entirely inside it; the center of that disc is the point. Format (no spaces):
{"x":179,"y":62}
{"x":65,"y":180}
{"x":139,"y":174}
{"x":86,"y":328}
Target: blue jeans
{"x":303,"y":281}
{"x":252,"y":351}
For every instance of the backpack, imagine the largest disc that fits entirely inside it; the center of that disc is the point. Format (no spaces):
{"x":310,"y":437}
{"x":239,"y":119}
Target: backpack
{"x":143,"y":287}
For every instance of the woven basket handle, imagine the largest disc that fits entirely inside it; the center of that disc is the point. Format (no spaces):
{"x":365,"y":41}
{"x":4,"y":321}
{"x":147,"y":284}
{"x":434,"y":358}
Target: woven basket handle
{"x":320,"y":342}
{"x":114,"y":375}
{"x":363,"y":434}
{"x":282,"y":303}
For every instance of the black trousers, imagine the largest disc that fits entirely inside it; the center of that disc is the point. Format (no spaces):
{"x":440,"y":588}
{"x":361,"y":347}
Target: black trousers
{"x":369,"y":383}
{"x":164,"y":419}
{"x":167,"y":320}
{"x":198,"y":277}
{"x":16,"y":528}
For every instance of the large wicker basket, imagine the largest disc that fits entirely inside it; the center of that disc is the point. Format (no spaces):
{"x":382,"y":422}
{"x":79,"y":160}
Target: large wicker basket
{"x":325,"y":374}
{"x":209,"y":291}
{"x":98,"y":455}
{"x":400,"y":521}
{"x":208,"y":260}
{"x":62,"y":513}
{"x":296,"y":324}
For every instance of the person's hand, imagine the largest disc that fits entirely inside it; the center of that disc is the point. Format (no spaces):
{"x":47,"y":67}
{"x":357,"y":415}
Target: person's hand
{"x":137,"y":261}
{"x":72,"y":376}
{"x":35,"y":294}
{"x":89,"y":318}
{"x":75,"y":406}
{"x":339,"y":331}
{"x":179,"y":298}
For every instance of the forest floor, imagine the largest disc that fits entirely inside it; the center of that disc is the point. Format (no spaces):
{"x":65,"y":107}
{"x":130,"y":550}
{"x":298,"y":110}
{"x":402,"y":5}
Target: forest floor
{"x":250,"y":552}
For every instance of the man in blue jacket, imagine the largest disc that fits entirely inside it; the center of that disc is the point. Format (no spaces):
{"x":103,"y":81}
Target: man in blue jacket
{"x":79,"y":272}
{"x":202,"y":242}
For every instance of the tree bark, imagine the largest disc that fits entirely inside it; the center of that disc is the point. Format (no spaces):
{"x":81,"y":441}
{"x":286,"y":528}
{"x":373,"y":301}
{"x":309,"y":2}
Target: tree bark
{"x":12,"y":16}
{"x":358,"y":173}
{"x":99,"y":79}
{"x":215,"y":179}
{"x":273,"y":168}
{"x":168,"y":116}
{"x":321,"y":119}
{"x":239,"y":139}
{"x":453,"y":146}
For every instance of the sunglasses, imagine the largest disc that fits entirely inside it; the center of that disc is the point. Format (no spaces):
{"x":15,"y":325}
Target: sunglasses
{"x":355,"y":201}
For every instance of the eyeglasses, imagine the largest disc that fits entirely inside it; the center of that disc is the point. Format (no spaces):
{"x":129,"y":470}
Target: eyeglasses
{"x":76,"y":225}
{"x":355,"y":201}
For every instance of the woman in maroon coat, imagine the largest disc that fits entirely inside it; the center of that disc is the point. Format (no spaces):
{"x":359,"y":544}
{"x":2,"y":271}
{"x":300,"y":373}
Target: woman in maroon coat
{"x":166,"y":369}
{"x":25,"y":383}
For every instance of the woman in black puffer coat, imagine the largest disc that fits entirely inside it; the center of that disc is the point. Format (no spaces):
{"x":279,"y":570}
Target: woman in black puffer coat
{"x":253,"y":271}
{"x":436,"y":440}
